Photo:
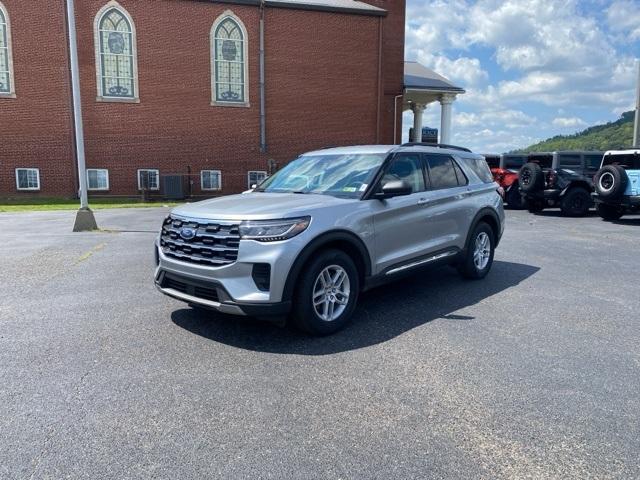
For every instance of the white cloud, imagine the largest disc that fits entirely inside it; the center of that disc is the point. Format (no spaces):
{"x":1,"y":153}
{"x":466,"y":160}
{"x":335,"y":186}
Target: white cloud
{"x":567,"y":55}
{"x":623,"y":17}
{"x":568,"y":122}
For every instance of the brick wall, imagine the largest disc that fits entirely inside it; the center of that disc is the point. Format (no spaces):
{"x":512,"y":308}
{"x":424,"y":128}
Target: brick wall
{"x":322,"y":89}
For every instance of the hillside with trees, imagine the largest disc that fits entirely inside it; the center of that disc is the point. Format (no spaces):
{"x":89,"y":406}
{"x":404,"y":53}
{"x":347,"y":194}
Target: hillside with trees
{"x":613,"y":135}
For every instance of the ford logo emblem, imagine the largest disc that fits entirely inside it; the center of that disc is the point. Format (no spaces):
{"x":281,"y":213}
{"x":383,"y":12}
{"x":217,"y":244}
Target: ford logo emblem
{"x":187,"y":233}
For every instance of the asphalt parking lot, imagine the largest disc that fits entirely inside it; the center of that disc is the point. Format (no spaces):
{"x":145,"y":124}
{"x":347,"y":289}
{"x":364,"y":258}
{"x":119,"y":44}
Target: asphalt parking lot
{"x":531,"y":373}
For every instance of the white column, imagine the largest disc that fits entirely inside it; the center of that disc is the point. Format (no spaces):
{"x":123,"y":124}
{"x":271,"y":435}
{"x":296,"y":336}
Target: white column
{"x":418,"y":110}
{"x":445,"y":117}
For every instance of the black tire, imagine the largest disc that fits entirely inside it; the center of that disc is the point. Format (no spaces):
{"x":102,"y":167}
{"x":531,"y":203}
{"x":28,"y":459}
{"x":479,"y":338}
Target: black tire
{"x":304,"y":314}
{"x":514,"y":198}
{"x":610,"y":212}
{"x":531,"y":178}
{"x":468,"y":267}
{"x":535,"y":205}
{"x":576,"y":202}
{"x":611,"y":181}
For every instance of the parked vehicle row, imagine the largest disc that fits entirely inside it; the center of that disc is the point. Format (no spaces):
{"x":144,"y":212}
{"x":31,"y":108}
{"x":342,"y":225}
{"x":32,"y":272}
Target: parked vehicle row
{"x":572,"y":180}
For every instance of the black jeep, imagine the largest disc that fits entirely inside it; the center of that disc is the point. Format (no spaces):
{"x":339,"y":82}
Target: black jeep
{"x":559,"y":179}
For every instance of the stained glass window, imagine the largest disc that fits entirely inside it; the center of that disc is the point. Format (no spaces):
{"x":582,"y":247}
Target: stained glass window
{"x":5,"y":53}
{"x":117,"y":61}
{"x":229,"y":62}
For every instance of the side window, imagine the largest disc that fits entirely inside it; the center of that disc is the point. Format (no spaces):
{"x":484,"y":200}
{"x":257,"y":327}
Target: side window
{"x":443,"y":172}
{"x":116,"y":57}
{"x":406,"y":167}
{"x":569,"y":161}
{"x":229,"y":60}
{"x":6,"y":63}
{"x":593,"y":161}
{"x":462,"y":178}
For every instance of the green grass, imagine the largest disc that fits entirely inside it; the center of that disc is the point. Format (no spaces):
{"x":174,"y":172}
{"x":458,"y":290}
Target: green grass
{"x":45,"y":204}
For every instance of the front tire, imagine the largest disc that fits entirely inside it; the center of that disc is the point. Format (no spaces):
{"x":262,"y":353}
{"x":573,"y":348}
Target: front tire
{"x":479,"y":255}
{"x":609,"y":212}
{"x":327,"y":293}
{"x":576,"y":203}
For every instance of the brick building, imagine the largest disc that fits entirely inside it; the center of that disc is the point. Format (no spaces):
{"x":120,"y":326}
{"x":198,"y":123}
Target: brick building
{"x":173,"y":87}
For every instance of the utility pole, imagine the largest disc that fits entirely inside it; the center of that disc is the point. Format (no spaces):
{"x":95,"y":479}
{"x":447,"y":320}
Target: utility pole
{"x":636,"y":124}
{"x":85,"y":221}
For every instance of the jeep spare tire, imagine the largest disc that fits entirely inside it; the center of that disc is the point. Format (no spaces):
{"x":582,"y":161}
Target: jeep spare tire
{"x":531,"y":178}
{"x":611,"y":181}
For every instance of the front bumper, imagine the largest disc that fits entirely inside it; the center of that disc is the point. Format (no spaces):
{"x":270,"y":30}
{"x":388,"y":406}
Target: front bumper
{"x":624,"y":200}
{"x":213,"y":295}
{"x":232,"y":288}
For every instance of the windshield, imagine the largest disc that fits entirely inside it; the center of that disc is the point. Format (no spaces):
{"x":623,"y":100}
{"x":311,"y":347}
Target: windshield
{"x":337,"y":175}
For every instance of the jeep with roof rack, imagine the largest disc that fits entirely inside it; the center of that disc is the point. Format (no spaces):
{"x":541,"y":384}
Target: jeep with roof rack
{"x":559,"y":179}
{"x":617,"y":184}
{"x":330,"y":224}
{"x":505,"y":169}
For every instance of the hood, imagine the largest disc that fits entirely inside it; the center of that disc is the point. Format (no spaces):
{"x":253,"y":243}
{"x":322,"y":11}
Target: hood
{"x":259,"y":206}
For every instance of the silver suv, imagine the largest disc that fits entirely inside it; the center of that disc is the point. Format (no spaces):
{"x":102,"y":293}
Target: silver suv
{"x":330,"y":224}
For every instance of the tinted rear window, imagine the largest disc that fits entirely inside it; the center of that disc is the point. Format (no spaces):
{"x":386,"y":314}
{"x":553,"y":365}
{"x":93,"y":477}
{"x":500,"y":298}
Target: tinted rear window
{"x":629,"y":161}
{"x":512,"y":162}
{"x":493,"y":161}
{"x":480,"y":168}
{"x":545,"y":161}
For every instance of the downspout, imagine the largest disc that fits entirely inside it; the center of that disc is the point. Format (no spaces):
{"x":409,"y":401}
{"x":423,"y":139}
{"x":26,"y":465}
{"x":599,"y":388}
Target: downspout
{"x":263,"y":117}
{"x":379,"y":79}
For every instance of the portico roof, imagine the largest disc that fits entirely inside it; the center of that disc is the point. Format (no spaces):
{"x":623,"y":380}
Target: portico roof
{"x":419,"y":77}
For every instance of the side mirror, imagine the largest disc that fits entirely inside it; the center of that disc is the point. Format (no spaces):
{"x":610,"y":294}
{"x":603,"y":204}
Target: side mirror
{"x":394,"y":188}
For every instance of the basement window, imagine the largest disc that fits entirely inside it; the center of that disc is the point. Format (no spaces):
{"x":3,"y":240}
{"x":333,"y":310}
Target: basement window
{"x":256,"y":178}
{"x":28,"y":178}
{"x":148,"y":179}
{"x":97,"y":179}
{"x":210,"y":180}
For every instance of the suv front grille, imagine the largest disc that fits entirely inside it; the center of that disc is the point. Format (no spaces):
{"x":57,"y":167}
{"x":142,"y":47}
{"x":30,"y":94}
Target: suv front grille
{"x":200,"y":241}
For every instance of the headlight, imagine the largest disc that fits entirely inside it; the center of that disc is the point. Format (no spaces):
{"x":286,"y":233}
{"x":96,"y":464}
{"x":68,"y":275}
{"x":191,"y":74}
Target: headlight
{"x":273,"y":230}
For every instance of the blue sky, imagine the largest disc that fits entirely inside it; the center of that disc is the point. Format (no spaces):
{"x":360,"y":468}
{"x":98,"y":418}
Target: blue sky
{"x":531,"y":68}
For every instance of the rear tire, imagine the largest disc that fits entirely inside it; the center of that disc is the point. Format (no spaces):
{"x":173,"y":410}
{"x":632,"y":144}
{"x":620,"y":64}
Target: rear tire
{"x":531,"y":178}
{"x":479,"y":255}
{"x":327,"y":293}
{"x":611,"y":181}
{"x":576,"y":203}
{"x":609,"y":212}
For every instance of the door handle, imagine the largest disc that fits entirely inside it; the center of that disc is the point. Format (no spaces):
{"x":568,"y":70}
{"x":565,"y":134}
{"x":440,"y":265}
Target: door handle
{"x":423,"y":201}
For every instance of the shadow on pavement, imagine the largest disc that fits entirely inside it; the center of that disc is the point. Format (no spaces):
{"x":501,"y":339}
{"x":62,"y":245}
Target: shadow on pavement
{"x":382,"y":314}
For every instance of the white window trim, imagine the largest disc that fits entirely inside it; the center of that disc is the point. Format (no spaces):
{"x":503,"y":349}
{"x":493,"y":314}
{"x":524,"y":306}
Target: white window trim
{"x":98,"y":170}
{"x":149,"y":170}
{"x":96,"y":40}
{"x":12,"y":84}
{"x":245,"y":46}
{"x":255,"y":171}
{"x":28,"y":189}
{"x":210,"y":189}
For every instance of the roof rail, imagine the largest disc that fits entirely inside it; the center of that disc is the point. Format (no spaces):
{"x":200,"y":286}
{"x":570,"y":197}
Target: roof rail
{"x":437,"y":145}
